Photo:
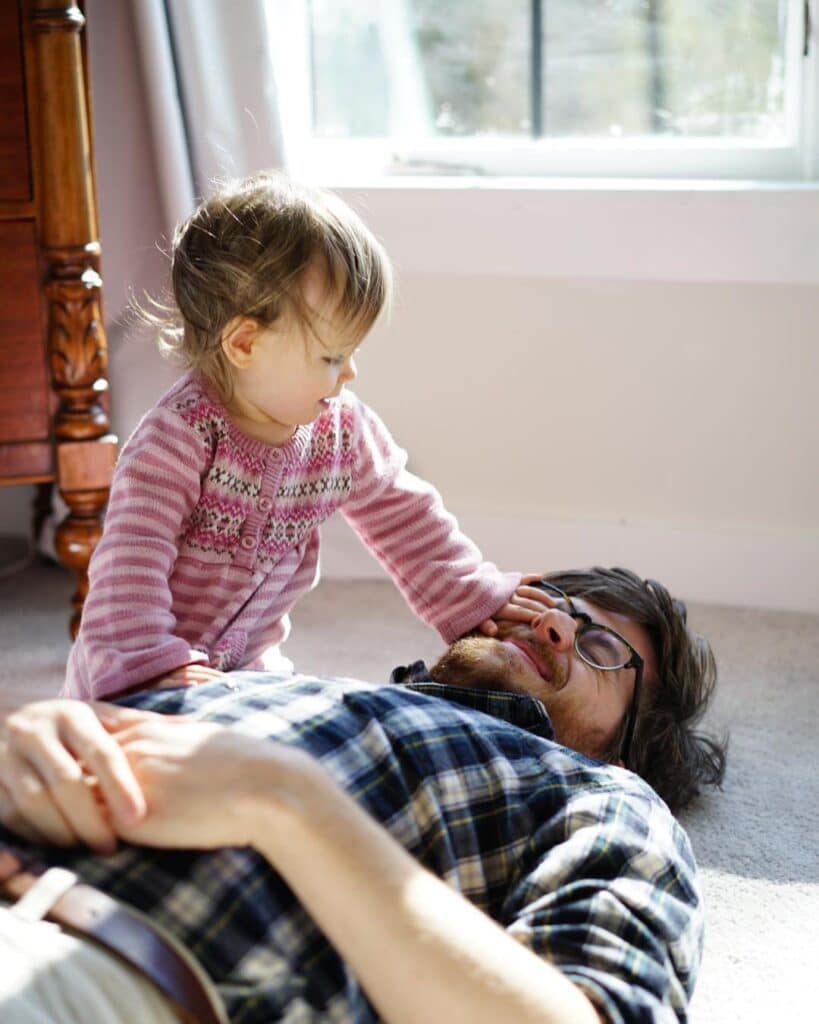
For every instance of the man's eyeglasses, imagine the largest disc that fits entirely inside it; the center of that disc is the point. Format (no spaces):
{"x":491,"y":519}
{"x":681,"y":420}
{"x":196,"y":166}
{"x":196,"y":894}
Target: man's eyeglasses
{"x":603,"y":648}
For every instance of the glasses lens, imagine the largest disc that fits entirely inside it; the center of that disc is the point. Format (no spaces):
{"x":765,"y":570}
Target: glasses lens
{"x":603,"y":649}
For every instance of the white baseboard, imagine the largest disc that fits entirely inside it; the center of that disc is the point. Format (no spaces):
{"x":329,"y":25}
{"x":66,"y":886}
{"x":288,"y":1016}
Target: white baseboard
{"x":757,"y":570}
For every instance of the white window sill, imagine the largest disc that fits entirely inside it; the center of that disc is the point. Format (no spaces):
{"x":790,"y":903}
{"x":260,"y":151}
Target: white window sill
{"x":624,"y":229}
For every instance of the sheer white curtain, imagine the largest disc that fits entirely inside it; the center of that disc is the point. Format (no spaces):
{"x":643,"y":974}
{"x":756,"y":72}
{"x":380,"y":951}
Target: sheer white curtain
{"x":211,"y":91}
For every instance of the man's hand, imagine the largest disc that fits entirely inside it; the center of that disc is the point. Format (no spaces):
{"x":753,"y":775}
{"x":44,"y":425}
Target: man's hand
{"x":204,"y":784}
{"x":525,"y":604}
{"x":63,"y":777}
{"x":75,"y":773}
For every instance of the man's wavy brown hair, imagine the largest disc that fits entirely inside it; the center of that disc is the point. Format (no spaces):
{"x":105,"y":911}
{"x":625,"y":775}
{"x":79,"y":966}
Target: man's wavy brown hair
{"x":667,"y":750}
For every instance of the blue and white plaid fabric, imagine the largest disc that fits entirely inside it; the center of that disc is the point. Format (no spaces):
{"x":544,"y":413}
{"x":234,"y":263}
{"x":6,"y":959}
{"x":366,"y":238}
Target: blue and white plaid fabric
{"x":579,"y":861}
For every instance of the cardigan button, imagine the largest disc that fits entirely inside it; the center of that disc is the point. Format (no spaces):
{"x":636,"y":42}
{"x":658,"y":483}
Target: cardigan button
{"x":265,"y":504}
{"x":248,"y":543}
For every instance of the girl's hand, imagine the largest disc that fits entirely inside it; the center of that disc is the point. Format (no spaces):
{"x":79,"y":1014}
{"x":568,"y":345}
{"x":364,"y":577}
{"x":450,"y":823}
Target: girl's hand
{"x":187,"y":675}
{"x":525,"y":604}
{"x":63,"y":776}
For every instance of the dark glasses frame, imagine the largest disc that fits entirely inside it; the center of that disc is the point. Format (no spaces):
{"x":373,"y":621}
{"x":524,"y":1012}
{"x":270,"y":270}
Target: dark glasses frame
{"x":635,"y":660}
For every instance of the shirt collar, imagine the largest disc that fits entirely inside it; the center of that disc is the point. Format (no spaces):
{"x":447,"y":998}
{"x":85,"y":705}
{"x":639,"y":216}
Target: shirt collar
{"x":518,"y":709}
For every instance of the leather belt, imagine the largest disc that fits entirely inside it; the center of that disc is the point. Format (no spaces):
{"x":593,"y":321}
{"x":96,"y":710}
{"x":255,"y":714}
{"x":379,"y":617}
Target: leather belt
{"x":125,"y":933}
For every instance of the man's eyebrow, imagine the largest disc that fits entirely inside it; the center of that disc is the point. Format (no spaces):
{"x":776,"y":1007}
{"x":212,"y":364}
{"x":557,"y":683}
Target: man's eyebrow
{"x":582,"y":605}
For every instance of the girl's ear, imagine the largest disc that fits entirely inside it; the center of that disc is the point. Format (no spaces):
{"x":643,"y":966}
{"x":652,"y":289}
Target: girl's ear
{"x":239,"y":339}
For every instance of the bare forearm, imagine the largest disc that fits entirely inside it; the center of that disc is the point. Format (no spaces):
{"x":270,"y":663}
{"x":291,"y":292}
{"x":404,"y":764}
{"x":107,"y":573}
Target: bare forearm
{"x":420,"y":950}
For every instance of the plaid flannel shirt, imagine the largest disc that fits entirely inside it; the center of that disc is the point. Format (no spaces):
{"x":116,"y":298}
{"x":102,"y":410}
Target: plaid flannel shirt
{"x":579,"y":861}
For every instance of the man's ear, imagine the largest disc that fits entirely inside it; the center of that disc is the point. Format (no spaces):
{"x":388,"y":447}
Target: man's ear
{"x":239,"y":339}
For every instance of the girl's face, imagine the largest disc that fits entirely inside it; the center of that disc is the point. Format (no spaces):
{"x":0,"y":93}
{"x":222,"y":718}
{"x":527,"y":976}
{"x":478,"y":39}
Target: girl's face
{"x":288,"y":374}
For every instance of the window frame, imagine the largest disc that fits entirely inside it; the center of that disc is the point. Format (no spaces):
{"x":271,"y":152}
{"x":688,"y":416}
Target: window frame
{"x":348,"y":161}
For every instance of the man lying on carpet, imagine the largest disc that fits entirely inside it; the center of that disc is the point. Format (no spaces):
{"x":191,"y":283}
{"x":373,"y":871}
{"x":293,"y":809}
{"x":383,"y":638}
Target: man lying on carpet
{"x":458,"y":847}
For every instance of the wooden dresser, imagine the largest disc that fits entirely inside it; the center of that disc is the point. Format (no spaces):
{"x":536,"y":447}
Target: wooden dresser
{"x":54,"y":424}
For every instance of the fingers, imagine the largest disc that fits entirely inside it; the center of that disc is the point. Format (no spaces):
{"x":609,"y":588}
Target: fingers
{"x":203,"y":674}
{"x":518,"y":613}
{"x":523,"y":606}
{"x":533,"y":598}
{"x":104,"y":758}
{"x":114,"y":717}
{"x":12,"y":820}
{"x":509,"y":613}
{"x":521,"y":602}
{"x":35,"y":814}
{"x":535,"y":594}
{"x":172,"y":682}
{"x":488,"y":627}
{"x":530,"y":577}
{"x":66,"y":775}
{"x":187,"y":675}
{"x":122,"y":728}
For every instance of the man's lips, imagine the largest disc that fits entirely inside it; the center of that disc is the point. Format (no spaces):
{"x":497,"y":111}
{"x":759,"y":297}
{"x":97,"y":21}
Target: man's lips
{"x":523,"y":649}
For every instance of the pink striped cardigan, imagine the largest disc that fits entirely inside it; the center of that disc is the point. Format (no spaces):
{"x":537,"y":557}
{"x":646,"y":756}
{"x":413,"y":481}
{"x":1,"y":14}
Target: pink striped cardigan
{"x":211,"y":537}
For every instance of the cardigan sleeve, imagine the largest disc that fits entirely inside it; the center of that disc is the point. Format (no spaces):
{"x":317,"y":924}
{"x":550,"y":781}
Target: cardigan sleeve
{"x":127,"y":630}
{"x":402,"y":521}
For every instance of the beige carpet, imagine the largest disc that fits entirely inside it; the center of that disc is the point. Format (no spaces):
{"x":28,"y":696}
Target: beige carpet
{"x":757,"y":842}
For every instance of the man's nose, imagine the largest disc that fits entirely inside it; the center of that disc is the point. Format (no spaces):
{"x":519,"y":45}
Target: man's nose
{"x":555,"y":628}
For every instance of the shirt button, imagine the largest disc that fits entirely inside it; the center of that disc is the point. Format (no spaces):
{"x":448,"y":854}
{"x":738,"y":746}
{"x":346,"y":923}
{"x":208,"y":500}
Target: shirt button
{"x":265,"y":504}
{"x":248,"y":543}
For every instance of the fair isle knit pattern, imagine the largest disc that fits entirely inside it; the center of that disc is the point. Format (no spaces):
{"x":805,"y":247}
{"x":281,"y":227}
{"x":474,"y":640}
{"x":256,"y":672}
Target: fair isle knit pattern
{"x":212,"y":536}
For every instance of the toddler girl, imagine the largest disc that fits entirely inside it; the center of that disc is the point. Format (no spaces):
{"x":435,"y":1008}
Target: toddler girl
{"x":211,"y":534}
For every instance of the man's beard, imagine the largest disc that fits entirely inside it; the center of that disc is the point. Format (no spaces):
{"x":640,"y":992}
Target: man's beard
{"x":484,"y":663}
{"x":465,"y":663}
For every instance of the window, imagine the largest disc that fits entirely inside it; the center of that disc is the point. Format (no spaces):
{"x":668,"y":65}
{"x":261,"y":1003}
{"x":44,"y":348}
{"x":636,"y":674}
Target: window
{"x":603,"y":88}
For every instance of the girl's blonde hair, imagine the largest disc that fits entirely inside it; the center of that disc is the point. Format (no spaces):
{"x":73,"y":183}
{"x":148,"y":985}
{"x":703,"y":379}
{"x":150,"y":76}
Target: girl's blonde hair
{"x":244,"y":252}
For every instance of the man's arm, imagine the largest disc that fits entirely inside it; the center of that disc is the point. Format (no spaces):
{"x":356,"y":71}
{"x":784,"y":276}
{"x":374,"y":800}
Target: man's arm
{"x":420,"y":950}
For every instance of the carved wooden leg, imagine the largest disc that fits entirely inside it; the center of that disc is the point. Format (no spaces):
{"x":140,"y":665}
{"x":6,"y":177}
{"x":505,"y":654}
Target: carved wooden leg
{"x":85,"y":474}
{"x":77,"y":359}
{"x":85,"y":460}
{"x":75,"y":540}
